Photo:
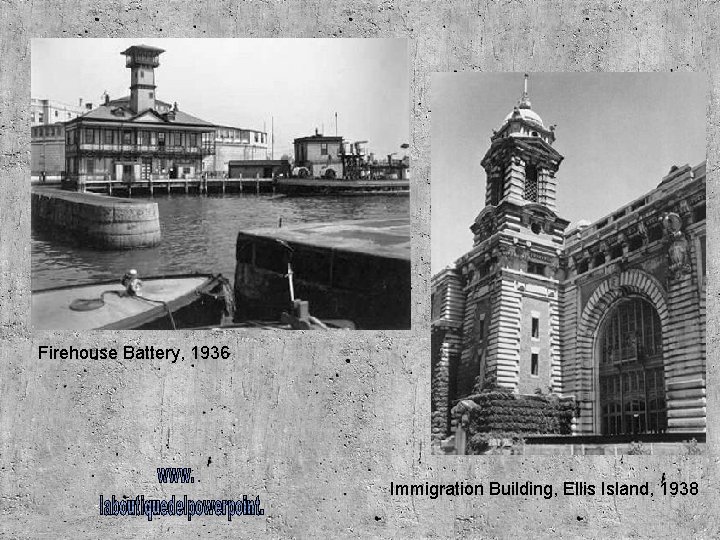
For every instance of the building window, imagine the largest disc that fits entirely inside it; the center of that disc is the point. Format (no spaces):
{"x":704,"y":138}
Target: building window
{"x":480,"y":327}
{"x":536,"y":268}
{"x":40,"y":117}
{"x":635,"y":242}
{"x":323,"y":149}
{"x":633,"y":332}
{"x":150,"y":95}
{"x":193,"y":141}
{"x":109,"y":136}
{"x":534,"y":364}
{"x":161,"y":140}
{"x":535,"y":328}
{"x":631,"y":374}
{"x":127,"y":137}
{"x":56,"y":114}
{"x":177,"y":138}
{"x":531,"y":183}
{"x":496,"y":189}
{"x":655,"y":232}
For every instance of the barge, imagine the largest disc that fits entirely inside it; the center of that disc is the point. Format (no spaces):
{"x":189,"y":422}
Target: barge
{"x":350,"y":270}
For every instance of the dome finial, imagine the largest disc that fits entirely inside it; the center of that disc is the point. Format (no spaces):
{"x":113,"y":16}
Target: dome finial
{"x":525,"y":101}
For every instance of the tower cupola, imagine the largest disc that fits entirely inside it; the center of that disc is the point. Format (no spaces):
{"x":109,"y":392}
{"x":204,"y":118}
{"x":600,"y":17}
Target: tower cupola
{"x":142,"y":61}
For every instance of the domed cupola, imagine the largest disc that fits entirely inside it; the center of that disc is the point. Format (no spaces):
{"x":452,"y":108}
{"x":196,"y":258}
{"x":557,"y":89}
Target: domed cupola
{"x":522,"y":121}
{"x":521,"y":163}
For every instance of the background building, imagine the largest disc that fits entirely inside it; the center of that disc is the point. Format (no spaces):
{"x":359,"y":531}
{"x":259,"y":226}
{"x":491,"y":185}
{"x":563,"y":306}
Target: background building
{"x":321,"y":155}
{"x":48,"y":111}
{"x":236,"y":144}
{"x":259,"y":168}
{"x":610,"y":313}
{"x":47,"y":150}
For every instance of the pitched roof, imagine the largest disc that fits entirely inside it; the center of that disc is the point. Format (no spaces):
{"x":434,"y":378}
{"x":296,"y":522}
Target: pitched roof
{"x":119,"y":110}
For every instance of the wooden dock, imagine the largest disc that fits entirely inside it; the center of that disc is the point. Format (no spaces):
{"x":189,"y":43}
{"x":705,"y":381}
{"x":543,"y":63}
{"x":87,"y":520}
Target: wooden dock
{"x":322,"y":186}
{"x":171,"y":185}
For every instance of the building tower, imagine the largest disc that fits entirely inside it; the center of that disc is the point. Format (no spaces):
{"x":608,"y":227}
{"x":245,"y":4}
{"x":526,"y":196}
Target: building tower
{"x":142,"y":61}
{"x":511,"y":276}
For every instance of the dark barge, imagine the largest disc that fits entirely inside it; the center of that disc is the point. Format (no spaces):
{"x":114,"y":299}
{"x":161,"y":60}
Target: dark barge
{"x":352,"y":270}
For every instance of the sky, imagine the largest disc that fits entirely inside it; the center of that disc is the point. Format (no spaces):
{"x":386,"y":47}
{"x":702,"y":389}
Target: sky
{"x":619,"y":132}
{"x":248,"y":83}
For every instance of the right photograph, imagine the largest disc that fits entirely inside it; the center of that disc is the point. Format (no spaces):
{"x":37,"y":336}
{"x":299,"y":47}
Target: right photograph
{"x":569,"y":263}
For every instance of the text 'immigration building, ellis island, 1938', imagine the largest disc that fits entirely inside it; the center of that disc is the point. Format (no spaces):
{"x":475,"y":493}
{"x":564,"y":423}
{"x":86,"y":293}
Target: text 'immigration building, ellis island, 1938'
{"x":609,"y":316}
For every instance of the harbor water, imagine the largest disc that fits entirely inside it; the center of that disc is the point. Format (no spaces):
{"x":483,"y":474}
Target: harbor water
{"x":198,"y":234}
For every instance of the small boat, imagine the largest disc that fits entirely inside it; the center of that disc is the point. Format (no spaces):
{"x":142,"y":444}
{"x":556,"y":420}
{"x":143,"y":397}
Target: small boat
{"x":162,"y":303}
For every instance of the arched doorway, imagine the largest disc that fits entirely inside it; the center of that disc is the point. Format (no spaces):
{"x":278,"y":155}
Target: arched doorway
{"x":631,"y":377}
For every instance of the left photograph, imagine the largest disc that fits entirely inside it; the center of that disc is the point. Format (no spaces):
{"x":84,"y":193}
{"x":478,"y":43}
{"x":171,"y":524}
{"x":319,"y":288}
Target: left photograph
{"x":208,"y":183}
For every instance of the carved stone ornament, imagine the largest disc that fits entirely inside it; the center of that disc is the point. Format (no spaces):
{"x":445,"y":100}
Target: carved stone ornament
{"x":678,"y":246}
{"x":614,"y":280}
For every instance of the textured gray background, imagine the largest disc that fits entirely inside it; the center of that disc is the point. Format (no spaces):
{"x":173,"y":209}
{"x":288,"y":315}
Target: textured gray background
{"x":317,"y":427}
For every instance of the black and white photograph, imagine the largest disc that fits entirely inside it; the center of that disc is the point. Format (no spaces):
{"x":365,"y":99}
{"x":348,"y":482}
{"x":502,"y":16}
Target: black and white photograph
{"x":220,"y":183}
{"x":569,"y":263}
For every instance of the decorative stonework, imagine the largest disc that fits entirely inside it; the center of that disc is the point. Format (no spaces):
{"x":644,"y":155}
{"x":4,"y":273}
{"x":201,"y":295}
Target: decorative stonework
{"x":678,"y":246}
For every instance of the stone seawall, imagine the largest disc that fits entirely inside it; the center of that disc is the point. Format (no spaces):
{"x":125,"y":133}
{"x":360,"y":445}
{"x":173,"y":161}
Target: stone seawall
{"x":97,"y":220}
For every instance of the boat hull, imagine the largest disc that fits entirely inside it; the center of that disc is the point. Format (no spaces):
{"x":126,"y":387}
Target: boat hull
{"x":169,"y":302}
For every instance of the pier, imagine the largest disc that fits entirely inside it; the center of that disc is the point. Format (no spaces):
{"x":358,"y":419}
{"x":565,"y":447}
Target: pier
{"x":354,"y":270}
{"x":96,"y":220}
{"x":324,"y":186}
{"x":160,"y":186}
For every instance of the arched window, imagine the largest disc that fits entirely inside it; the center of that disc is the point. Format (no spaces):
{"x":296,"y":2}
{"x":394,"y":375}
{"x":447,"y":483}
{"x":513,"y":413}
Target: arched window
{"x":631,"y":373}
{"x":531,"y":183}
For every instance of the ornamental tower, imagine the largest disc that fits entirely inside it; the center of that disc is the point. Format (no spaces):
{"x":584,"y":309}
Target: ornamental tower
{"x":511,"y":276}
{"x":142,"y":61}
